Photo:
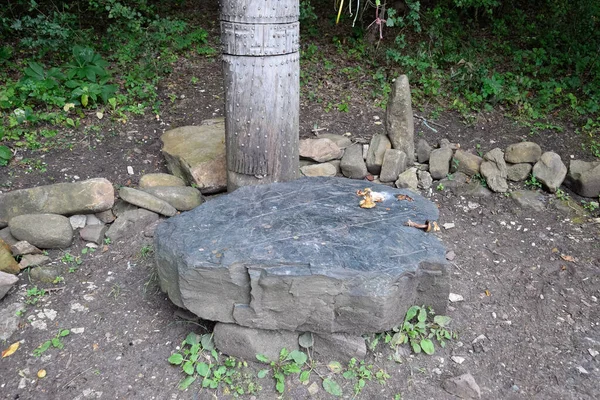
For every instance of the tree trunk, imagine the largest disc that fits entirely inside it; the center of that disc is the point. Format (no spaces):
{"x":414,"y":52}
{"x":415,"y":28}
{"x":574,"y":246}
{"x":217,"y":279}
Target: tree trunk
{"x":261,"y":68}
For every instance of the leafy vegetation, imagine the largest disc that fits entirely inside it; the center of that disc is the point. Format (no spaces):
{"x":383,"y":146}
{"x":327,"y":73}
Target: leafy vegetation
{"x":55,"y":342}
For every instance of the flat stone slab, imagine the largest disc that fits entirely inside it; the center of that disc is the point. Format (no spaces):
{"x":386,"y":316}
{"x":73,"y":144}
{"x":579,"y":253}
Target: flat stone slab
{"x":303,"y":256}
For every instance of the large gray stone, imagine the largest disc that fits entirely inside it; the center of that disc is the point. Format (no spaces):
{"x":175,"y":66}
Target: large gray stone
{"x":463,"y":386}
{"x":494,"y":170}
{"x":297,"y":256}
{"x":394,"y":163}
{"x":130,"y":223}
{"x":89,"y":196}
{"x":46,"y":231}
{"x":45,"y":274}
{"x":550,"y":170}
{"x":439,"y":162}
{"x":319,"y":150}
{"x":7,"y":237}
{"x":196,"y":154}
{"x":425,"y":180}
{"x":9,"y":320}
{"x":146,"y":200}
{"x":584,"y":178}
{"x":377,"y":148}
{"x":7,"y":262}
{"x":399,"y":123}
{"x":408,"y":179}
{"x":423,"y":151}
{"x":94,"y":233}
{"x":182,"y":198}
{"x":21,"y":248}
{"x":340,"y":140}
{"x":528,"y":199}
{"x":339,"y":347}
{"x":160,"y":179}
{"x":465,"y":162}
{"x":33,"y":260}
{"x":246,"y":343}
{"x":518,"y":172}
{"x":523,"y":152}
{"x":353,"y":165}
{"x":7,"y":281}
{"x":324,"y":169}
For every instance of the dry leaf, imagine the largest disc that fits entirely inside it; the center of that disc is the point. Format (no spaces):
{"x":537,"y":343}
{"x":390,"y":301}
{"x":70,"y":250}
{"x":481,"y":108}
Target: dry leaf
{"x":404,"y":197}
{"x":567,"y":258}
{"x":95,"y":346}
{"x":99,"y":115}
{"x":487,"y":293}
{"x":11,"y":349}
{"x":555,"y":250}
{"x":68,"y":106}
{"x":41,"y":373}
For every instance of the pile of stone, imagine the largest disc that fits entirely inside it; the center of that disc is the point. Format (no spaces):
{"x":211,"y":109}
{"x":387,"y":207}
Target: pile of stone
{"x":52,"y":216}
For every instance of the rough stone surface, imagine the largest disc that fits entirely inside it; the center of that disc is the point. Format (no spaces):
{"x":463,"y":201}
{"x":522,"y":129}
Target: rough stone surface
{"x":493,"y":169}
{"x":7,"y":237}
{"x":394,"y":163}
{"x":550,"y":170}
{"x":94,"y":233}
{"x":325,"y":169}
{"x":181,"y":198}
{"x":23,"y":247}
{"x":121,"y":207}
{"x":196,"y":154}
{"x":425,"y":180}
{"x":10,"y":320}
{"x":147,"y":201}
{"x":33,"y":260}
{"x":246,"y":343}
{"x":291,"y":256}
{"x":160,"y":179}
{"x":319,"y":150}
{"x":7,"y":281}
{"x":341,"y":141}
{"x":408,"y":179}
{"x":337,"y":165}
{"x":106,"y":217}
{"x":91,"y":219}
{"x":528,"y":199}
{"x":399,"y":123}
{"x":130,"y":223}
{"x":463,"y":386}
{"x":77,"y":221}
{"x":439,"y":162}
{"x":423,"y":151}
{"x":518,"y":172}
{"x":7,"y":262}
{"x":466,"y":163}
{"x":523,"y":152}
{"x":92,"y":195}
{"x":353,"y":165}
{"x":584,"y":178}
{"x":46,"y":274}
{"x":46,"y":231}
{"x":377,"y":148}
{"x":339,"y":347}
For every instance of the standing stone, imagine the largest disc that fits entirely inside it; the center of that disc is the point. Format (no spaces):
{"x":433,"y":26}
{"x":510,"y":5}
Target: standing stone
{"x":377,"y":148}
{"x":466,"y":163}
{"x":160,"y":179}
{"x":196,"y":154}
{"x":261,"y":68}
{"x":147,"y":201}
{"x":352,"y":164}
{"x":550,"y":170}
{"x":325,"y":169}
{"x":423,"y":151}
{"x":320,"y":150}
{"x":394,"y":163}
{"x":518,"y":172}
{"x":584,"y":178}
{"x":182,"y":198}
{"x":7,"y":281}
{"x":408,"y":179}
{"x":399,"y":123}
{"x":425,"y":180}
{"x":523,"y":152}
{"x":493,"y":169}
{"x":46,"y":231}
{"x":92,"y":195}
{"x":7,"y":262}
{"x":439,"y":162}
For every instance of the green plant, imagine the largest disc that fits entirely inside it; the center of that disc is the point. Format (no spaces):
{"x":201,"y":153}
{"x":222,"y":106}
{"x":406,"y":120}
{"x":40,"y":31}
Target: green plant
{"x":289,"y":363}
{"x":33,"y":295}
{"x":107,"y":241}
{"x":533,"y":183}
{"x":20,"y":313}
{"x":146,"y":251}
{"x":58,"y":279}
{"x":591,"y":206}
{"x":358,"y":372}
{"x":5,"y":155}
{"x":55,"y":342}
{"x":481,"y":179}
{"x":440,"y":186}
{"x":561,"y":195}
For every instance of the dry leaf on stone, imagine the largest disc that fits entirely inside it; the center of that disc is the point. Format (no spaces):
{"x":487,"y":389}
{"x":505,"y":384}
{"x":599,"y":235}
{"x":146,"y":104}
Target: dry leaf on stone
{"x":41,"y":373}
{"x":11,"y":349}
{"x":567,"y":258}
{"x":402,"y":197}
{"x":369,"y":198}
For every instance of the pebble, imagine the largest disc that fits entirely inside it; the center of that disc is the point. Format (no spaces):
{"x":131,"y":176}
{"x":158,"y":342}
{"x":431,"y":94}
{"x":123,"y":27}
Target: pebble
{"x":130,"y":170}
{"x":478,"y":338}
{"x":448,"y":225}
{"x":453,"y":297}
{"x":582,"y":370}
{"x":450,"y":255}
{"x":458,"y":360}
{"x":593,"y":352}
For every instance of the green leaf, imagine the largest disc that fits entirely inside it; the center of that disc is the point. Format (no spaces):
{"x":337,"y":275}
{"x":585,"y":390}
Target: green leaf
{"x":422,"y":315}
{"x":335,"y":367}
{"x":306,"y":340}
{"x":415,"y":346}
{"x":192,"y":338}
{"x":332,"y":387}
{"x":5,"y":153}
{"x":442,"y":320}
{"x":262,"y":373}
{"x":207,"y":341}
{"x":299,"y":357}
{"x":203,"y":369}
{"x":56,"y":343}
{"x":427,"y":346}
{"x":188,"y":368}
{"x":64,"y":332}
{"x":175,"y":359}
{"x":349,"y":374}
{"x":410,"y":314}
{"x":280,"y":386}
{"x":186,"y":382}
{"x":262,"y":358}
{"x":283,"y":354}
{"x":291,"y":368}
{"x":304,"y":376}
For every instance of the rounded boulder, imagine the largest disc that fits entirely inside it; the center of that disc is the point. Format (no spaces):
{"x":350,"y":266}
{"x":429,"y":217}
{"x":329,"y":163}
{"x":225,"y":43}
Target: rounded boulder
{"x":45,"y":231}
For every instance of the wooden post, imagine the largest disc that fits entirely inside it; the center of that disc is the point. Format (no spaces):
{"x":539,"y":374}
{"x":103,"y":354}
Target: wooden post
{"x":261,"y":68}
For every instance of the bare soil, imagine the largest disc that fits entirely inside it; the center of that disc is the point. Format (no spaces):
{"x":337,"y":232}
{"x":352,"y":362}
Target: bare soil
{"x":530,"y":280}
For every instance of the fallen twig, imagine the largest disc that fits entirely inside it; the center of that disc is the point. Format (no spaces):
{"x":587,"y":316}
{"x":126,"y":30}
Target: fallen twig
{"x":428,"y":121}
{"x":428,"y":226}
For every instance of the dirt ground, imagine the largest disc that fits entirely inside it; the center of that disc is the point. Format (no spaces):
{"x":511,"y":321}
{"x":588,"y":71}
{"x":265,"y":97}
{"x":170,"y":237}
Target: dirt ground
{"x":530,"y":280}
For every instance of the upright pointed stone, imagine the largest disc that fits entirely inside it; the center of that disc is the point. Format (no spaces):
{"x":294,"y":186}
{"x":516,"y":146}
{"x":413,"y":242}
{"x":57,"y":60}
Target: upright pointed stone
{"x":399,"y":123}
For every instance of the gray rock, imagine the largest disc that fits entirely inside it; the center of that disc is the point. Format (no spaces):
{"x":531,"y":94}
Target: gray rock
{"x":439,"y":162}
{"x":325,"y":169}
{"x":518,"y":172}
{"x":196,"y":154}
{"x":337,"y":165}
{"x":46,"y":274}
{"x":463,"y":386}
{"x":7,"y":262}
{"x":408,"y":179}
{"x":523,"y":152}
{"x":7,"y":281}
{"x":446,"y":143}
{"x":94,"y":233}
{"x":106,"y":217}
{"x":300,"y":264}
{"x":46,"y":231}
{"x":319,"y":150}
{"x":23,"y":247}
{"x":493,"y":169}
{"x":77,"y":221}
{"x":130,"y":223}
{"x":7,"y":237}
{"x":121,"y":207}
{"x":160,"y":179}
{"x":353,"y":165}
{"x":182,"y":198}
{"x":33,"y":260}
{"x":394,"y":163}
{"x":91,"y":219}
{"x":425,"y":180}
{"x":377,"y":148}
{"x":304,"y":163}
{"x":93,"y":195}
{"x":423,"y":151}
{"x":340,"y":140}
{"x":10,"y":320}
{"x":528,"y":199}
{"x":399,"y":123}
{"x":550,"y":170}
{"x":584,"y":178}
{"x":465,"y":162}
{"x":246,"y":343}
{"x":339,"y":347}
{"x":147,"y":201}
